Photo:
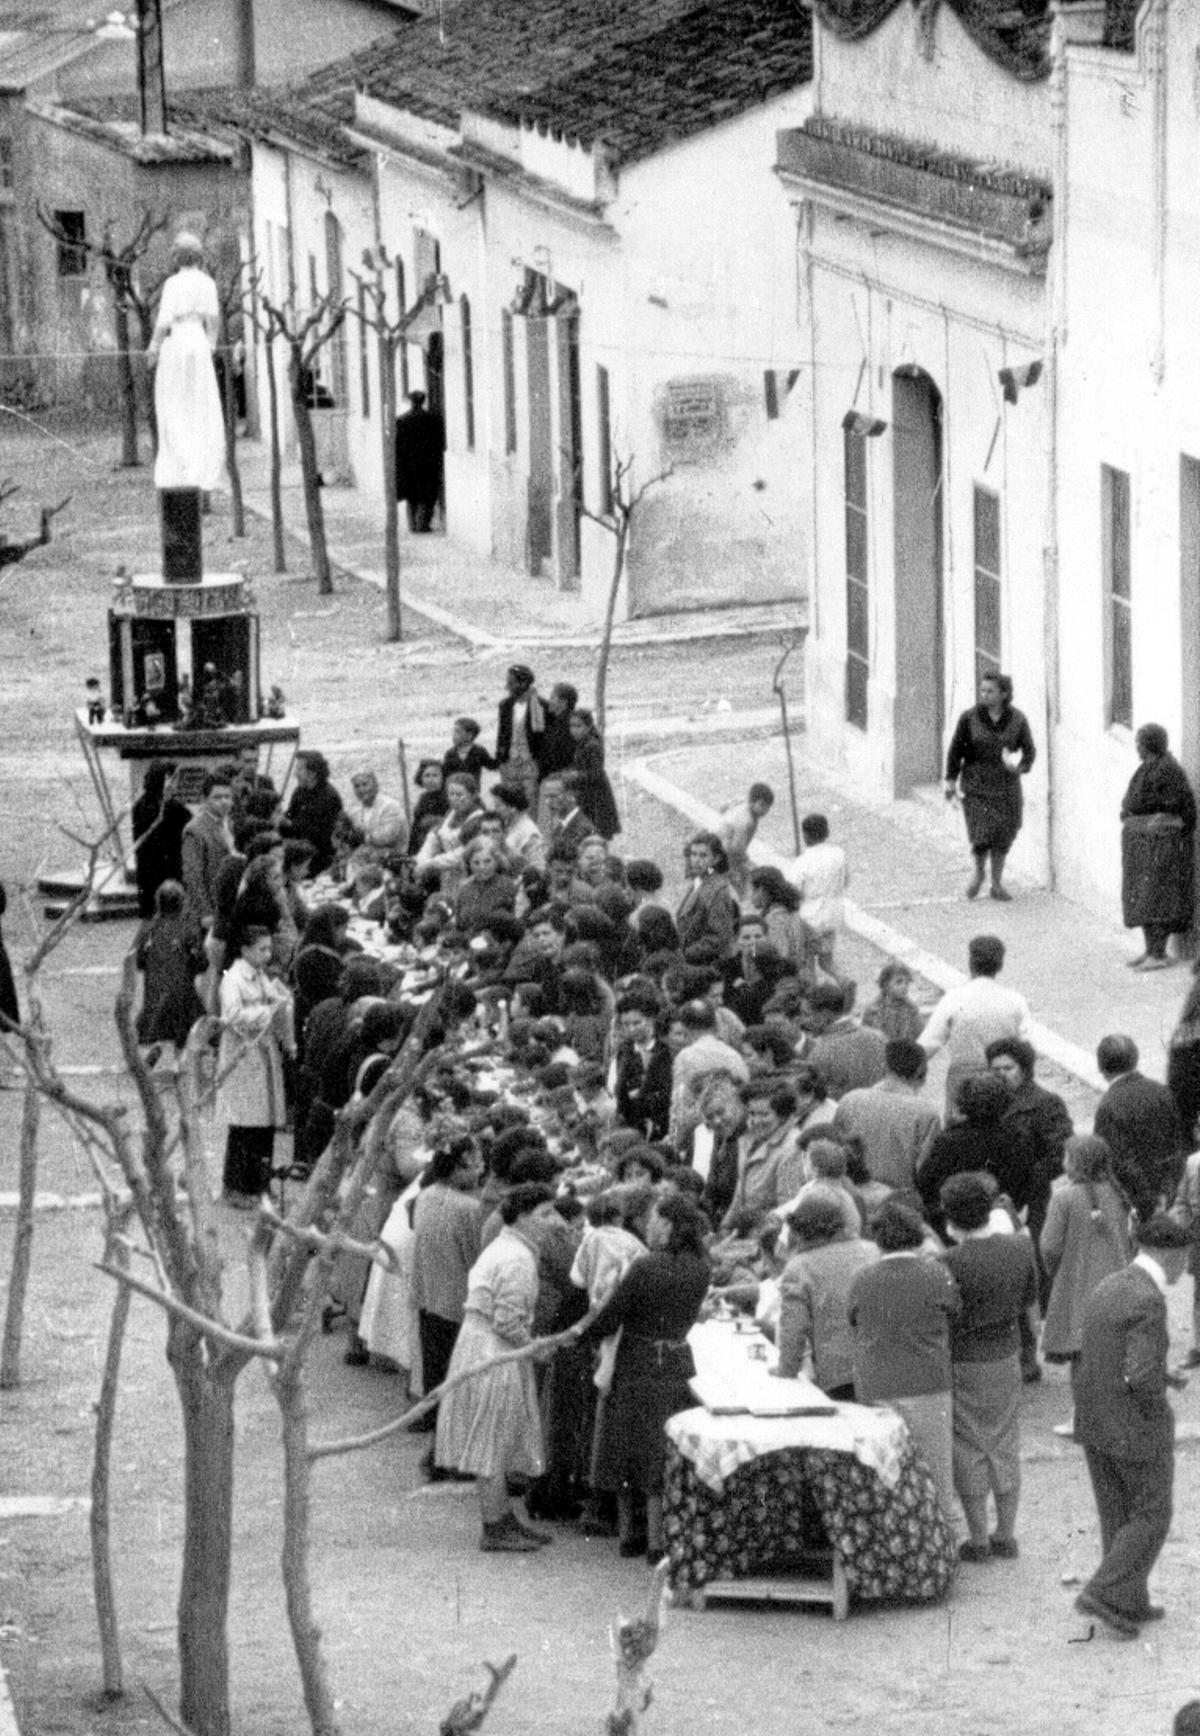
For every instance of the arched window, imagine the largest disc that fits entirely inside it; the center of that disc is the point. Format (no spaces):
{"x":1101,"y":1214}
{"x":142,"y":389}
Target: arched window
{"x":468,"y":374}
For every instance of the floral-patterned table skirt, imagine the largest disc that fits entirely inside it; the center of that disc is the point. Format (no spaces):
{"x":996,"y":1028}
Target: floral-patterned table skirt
{"x":894,"y":1543}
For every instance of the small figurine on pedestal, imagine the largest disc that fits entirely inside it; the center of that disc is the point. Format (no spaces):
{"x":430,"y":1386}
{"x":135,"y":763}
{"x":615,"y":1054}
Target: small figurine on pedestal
{"x":187,"y":704}
{"x":275,"y":703}
{"x":95,"y":701}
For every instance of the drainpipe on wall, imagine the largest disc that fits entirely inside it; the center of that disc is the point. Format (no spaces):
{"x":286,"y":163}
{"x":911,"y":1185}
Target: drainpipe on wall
{"x":1056,"y":338}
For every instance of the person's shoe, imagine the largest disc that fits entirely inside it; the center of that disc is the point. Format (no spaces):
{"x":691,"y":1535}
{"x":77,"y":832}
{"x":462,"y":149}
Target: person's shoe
{"x":975,"y":884}
{"x":631,"y":1547}
{"x":1114,"y":1622}
{"x":358,"y":1356}
{"x":969,"y":1551}
{"x":239,"y":1202}
{"x":504,"y":1538}
{"x":1155,"y":964}
{"x":1065,"y":1431}
{"x":1138,"y":962}
{"x":1031,"y":1373}
{"x":1004,"y":1548}
{"x":541,"y":1538}
{"x":1152,"y":1612}
{"x":1192,"y":1359}
{"x":1001,"y":895}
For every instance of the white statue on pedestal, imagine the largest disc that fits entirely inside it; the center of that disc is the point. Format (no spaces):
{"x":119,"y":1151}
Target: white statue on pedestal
{"x":191,"y":430}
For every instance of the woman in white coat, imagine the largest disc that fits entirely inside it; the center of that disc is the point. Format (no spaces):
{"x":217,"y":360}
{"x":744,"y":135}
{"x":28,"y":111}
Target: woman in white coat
{"x":256,"y":1023}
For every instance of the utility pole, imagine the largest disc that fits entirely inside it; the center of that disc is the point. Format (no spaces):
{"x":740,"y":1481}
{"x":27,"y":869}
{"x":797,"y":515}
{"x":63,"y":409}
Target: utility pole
{"x":151,"y":78}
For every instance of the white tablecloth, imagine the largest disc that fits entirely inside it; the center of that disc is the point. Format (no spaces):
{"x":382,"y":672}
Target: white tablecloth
{"x":733,"y":1382}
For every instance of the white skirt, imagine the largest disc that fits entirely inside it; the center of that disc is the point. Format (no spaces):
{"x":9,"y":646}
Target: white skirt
{"x":388,"y":1322}
{"x":187,"y":408}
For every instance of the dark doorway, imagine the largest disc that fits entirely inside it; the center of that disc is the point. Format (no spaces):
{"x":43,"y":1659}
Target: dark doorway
{"x":920,"y":674}
{"x":540,"y":533}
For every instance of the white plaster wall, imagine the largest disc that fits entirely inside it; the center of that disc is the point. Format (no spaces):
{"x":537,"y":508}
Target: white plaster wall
{"x":958,"y":100}
{"x":708,"y":290}
{"x":1128,"y":404}
{"x":963,"y":322}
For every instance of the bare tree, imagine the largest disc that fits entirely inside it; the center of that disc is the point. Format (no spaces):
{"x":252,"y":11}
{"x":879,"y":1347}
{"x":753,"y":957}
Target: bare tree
{"x":304,"y":335}
{"x":13,"y":549}
{"x":780,"y":692}
{"x":624,"y":504}
{"x":230,"y":300}
{"x":119,"y":261}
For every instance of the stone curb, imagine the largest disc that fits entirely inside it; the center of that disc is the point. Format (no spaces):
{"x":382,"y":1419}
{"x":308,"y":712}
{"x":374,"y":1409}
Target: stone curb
{"x":1063,"y":1053}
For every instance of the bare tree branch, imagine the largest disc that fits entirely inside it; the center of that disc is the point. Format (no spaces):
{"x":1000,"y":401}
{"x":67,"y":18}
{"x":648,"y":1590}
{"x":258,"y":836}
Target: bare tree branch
{"x":270,"y":1349}
{"x":537,"y":1348}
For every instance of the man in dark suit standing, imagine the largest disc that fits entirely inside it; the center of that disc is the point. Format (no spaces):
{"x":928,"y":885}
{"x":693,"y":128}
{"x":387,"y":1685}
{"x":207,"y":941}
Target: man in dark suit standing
{"x":1127,"y":1427}
{"x":1138,"y":1118}
{"x":420,"y":449}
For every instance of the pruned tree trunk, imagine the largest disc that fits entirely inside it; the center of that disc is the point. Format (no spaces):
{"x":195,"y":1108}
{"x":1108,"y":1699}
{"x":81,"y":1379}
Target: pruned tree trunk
{"x":102,"y":1574}
{"x":130,"y":457}
{"x":311,"y":478}
{"x":229,"y":407}
{"x":292,"y":1398}
{"x":18,"y":1282}
{"x":620,"y":543}
{"x":391,"y":516}
{"x":205,"y":1383}
{"x":279,"y":545}
{"x":145,"y":318}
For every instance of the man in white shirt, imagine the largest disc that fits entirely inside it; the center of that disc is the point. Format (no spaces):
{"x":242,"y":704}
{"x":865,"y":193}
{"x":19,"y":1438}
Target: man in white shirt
{"x":967,"y":1019}
{"x":821,"y":877}
{"x":378,"y":820}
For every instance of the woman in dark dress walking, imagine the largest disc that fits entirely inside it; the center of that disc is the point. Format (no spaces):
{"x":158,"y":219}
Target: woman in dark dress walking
{"x":595,"y":792}
{"x":1158,"y":825}
{"x":991,"y":750}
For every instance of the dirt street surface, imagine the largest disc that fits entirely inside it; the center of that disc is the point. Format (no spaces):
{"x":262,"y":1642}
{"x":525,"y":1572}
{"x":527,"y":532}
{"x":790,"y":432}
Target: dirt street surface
{"x":409,"y":1607}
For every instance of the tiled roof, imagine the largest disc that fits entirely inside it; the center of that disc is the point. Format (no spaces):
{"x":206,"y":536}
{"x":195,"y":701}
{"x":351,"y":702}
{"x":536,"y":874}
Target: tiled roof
{"x":114,"y":123}
{"x":1016,"y":33}
{"x":713,"y":63}
{"x":635,"y":73}
{"x":221,"y":114}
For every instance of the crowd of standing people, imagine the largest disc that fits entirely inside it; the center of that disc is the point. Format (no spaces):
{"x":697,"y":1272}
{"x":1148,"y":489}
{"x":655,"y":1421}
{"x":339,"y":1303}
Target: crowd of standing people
{"x":640,"y":1107}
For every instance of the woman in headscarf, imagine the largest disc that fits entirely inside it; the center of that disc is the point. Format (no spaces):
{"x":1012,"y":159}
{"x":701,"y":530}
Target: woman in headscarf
{"x":992,"y":748}
{"x":187,"y":404}
{"x":1158,"y":824}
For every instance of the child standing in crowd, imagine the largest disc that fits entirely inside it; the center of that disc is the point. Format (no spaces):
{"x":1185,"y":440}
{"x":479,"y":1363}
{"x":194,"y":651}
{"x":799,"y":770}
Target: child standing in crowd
{"x":893,"y":1011}
{"x":820,"y":876}
{"x":465,"y":753}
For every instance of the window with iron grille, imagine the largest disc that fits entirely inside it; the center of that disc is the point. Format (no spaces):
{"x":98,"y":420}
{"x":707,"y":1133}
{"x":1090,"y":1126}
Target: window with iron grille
{"x":858,"y":654}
